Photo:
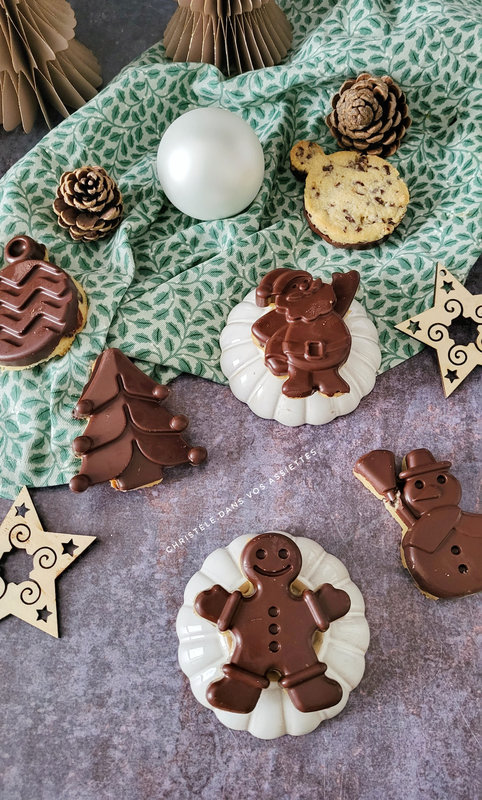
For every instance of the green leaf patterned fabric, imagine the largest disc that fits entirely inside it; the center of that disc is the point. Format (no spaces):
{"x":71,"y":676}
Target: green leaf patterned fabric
{"x":162,"y":287}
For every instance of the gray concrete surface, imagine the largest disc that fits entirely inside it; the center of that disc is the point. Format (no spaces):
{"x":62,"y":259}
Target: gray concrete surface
{"x":105,"y":712}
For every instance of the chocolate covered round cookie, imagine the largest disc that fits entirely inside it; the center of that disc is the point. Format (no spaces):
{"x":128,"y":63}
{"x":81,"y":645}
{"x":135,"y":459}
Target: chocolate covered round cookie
{"x":300,"y":350}
{"x":272,"y":634}
{"x":41,"y":307}
{"x":351,"y":200}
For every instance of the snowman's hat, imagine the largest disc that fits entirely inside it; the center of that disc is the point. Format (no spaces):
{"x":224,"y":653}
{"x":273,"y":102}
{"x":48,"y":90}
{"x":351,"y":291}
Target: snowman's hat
{"x":419,"y":461}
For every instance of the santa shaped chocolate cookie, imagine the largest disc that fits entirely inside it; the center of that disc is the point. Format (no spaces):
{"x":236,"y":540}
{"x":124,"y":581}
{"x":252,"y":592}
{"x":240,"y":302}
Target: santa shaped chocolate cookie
{"x":304,"y":335}
{"x":441,"y":545}
{"x":300,"y":349}
{"x":274,"y":620}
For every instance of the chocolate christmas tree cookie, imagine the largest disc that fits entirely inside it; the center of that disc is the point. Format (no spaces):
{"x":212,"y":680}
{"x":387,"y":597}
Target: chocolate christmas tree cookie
{"x":280,"y":634}
{"x":41,"y":307}
{"x":130,"y":437}
{"x":441,"y":545}
{"x":352,"y":200}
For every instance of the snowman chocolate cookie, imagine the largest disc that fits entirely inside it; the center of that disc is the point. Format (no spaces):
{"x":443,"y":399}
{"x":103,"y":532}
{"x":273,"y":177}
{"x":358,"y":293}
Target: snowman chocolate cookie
{"x":41,"y":307}
{"x":352,"y":200}
{"x":272,"y":635}
{"x":299,"y":349}
{"x":441,"y":545}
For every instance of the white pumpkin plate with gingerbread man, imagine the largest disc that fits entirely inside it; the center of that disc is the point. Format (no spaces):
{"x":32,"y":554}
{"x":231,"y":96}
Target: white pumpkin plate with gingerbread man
{"x":272,"y":634}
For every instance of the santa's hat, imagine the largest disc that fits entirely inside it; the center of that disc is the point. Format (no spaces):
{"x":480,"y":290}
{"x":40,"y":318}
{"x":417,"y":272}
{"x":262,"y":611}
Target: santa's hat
{"x":419,"y":461}
{"x":276,"y":281}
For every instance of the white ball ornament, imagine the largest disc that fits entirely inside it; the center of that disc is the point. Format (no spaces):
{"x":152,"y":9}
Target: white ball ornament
{"x":210,"y":163}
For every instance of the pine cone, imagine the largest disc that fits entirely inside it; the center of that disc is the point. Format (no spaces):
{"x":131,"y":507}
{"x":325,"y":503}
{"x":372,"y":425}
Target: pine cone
{"x":88,"y":203}
{"x":369,"y":114}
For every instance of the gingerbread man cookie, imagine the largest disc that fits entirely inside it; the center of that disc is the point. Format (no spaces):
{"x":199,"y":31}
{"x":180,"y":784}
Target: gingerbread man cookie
{"x":273,"y":613}
{"x":273,"y":629}
{"x":441,"y":545}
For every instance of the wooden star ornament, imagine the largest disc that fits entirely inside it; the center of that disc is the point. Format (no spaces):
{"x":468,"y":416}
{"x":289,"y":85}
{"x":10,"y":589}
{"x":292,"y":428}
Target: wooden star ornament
{"x":453,"y":327}
{"x":33,"y":599}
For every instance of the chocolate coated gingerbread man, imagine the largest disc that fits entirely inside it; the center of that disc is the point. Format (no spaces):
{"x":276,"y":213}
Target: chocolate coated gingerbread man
{"x":273,"y":630}
{"x":441,"y":544}
{"x":305,"y":335}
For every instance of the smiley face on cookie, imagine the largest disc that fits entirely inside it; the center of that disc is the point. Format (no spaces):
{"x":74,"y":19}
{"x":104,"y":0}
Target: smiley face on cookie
{"x":271,"y":558}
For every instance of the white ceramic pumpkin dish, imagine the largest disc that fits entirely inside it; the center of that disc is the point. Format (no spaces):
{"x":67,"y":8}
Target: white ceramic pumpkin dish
{"x":252,"y":382}
{"x":204,"y":649}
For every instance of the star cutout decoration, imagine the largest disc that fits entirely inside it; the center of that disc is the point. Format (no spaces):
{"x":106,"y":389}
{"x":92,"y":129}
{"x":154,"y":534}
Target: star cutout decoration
{"x":451,"y":300}
{"x":33,"y":600}
{"x":69,"y":548}
{"x":43,"y":614}
{"x":21,"y":510}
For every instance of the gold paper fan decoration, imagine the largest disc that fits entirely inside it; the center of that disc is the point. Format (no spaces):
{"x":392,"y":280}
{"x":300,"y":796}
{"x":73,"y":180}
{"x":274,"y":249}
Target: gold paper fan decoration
{"x":41,"y":63}
{"x":234,"y":35}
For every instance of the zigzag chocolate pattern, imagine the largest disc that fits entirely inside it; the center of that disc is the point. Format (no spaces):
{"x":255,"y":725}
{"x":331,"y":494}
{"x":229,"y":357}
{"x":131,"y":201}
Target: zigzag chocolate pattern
{"x":39,"y":305}
{"x":130,"y":437}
